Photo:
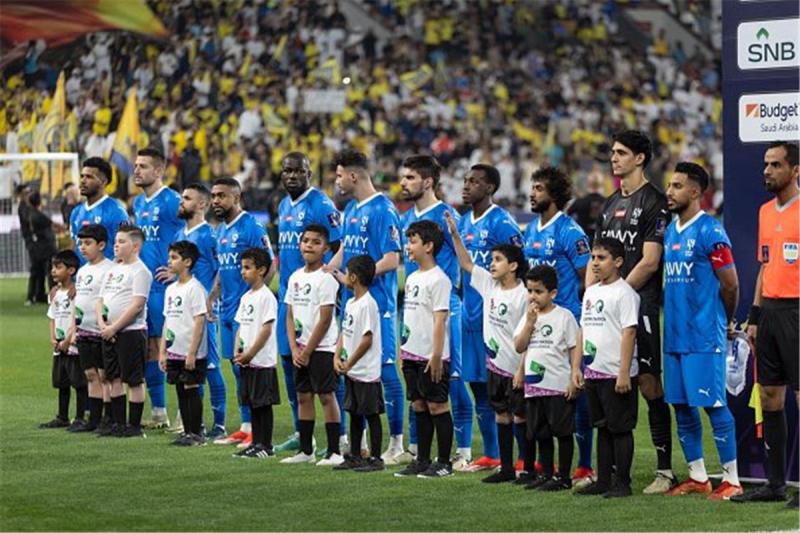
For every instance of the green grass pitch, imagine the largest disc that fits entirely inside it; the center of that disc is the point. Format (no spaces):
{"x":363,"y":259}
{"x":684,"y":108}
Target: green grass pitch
{"x":53,"y":480}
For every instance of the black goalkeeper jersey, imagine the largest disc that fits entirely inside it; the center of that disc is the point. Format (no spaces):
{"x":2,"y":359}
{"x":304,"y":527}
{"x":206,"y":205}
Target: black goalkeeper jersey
{"x":634,"y":220}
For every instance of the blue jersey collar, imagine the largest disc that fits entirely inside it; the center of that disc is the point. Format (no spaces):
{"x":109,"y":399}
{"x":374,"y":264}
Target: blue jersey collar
{"x":200,"y":225}
{"x":476,"y":220}
{"x":427,"y":209}
{"x":300,"y":198}
{"x":689,"y":222}
{"x":149,"y":198}
{"x":365,"y":201}
{"x":98,"y":202}
{"x":235,"y":220}
{"x":549,"y":222}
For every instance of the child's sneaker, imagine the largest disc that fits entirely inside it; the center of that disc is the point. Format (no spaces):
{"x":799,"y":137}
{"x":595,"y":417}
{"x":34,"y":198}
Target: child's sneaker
{"x":217,"y":432}
{"x":331,"y":459}
{"x":501,"y":476}
{"x":55,"y":423}
{"x":592,"y":489}
{"x":618,"y":491}
{"x":259,"y":451}
{"x":555,"y":484}
{"x":537,"y":482}
{"x":437,"y":470}
{"x":77,"y":426}
{"x":299,"y":458}
{"x":157,"y":421}
{"x":525,"y":478}
{"x":243,"y":454}
{"x":351,"y":462}
{"x":373,"y":464}
{"x":291,"y":444}
{"x":661,"y":484}
{"x":414,"y":468}
{"x":133,"y":432}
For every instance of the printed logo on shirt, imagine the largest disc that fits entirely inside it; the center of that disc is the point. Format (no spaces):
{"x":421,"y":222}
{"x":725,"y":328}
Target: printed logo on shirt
{"x":105,"y":313}
{"x":170,"y":337}
{"x":78,"y":316}
{"x":790,"y":252}
{"x":298,"y":328}
{"x":174,"y":303}
{"x":405,"y":333}
{"x":589,"y":352}
{"x":582,"y":247}
{"x":492,"y":347}
{"x":547,"y":330}
{"x":333,"y":220}
{"x":60,"y":335}
{"x":516,"y":240}
{"x":85,"y":280}
{"x":536,"y":373}
{"x":598,"y":306}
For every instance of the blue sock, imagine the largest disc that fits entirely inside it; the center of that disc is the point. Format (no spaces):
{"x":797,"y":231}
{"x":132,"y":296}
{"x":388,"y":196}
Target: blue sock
{"x":486,"y":423}
{"x":462,"y":413}
{"x":690,"y":431}
{"x":244,"y":411}
{"x":724,"y":429}
{"x":412,"y":425}
{"x":583,"y":431}
{"x":291,"y":392}
{"x":216,"y":384}
{"x":340,"y":400}
{"x":156,"y":384}
{"x":393,"y":398}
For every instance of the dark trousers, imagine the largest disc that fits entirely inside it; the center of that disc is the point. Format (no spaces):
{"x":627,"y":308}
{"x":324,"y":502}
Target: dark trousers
{"x":39,"y":272}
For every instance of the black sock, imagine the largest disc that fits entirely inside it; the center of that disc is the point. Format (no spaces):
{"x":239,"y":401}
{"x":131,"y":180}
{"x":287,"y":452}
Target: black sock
{"x":135,"y":415}
{"x":269,"y":421}
{"x":660,"y":431}
{"x":257,"y":425}
{"x":375,"y":435}
{"x":424,"y":435}
{"x":333,"y":430}
{"x":623,"y":457}
{"x":546,"y":453}
{"x":63,"y":403}
{"x":95,"y":411}
{"x":356,"y":432}
{"x":182,"y":408}
{"x":195,"y":406}
{"x":306,"y":436}
{"x":118,"y":410}
{"x":108,"y":411}
{"x":605,"y":456}
{"x":81,"y":402}
{"x":566,"y":448}
{"x":775,"y":444}
{"x":443,"y":423}
{"x":505,"y":439}
{"x":521,"y":432}
{"x":529,"y":459}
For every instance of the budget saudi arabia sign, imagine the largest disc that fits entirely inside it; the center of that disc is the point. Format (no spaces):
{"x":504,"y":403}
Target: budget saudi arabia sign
{"x":768,"y":44}
{"x":769,"y":117}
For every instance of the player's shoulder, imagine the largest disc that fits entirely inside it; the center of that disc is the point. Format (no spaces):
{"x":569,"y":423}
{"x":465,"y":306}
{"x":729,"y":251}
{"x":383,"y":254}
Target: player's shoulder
{"x":652,"y":196}
{"x":711,"y":227}
{"x":501,"y":215}
{"x":318,"y":197}
{"x":566,"y":224}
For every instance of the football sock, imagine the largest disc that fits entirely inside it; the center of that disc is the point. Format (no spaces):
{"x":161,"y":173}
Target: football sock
{"x":660,"y":431}
{"x":332,"y":430}
{"x":269,"y":422}
{"x":183,"y":410}
{"x":118,"y":409}
{"x":425,"y":435}
{"x":340,"y":389}
{"x":394,"y":399}
{"x":291,"y":392}
{"x":156,"y":384}
{"x":605,"y":456}
{"x":623,"y":456}
{"x":519,"y":436}
{"x":529,"y":458}
{"x":95,"y":410}
{"x":107,"y":411}
{"x":775,"y":446}
{"x":306,"y":436}
{"x":412,"y":426}
{"x":356,"y":432}
{"x":244,"y":411}
{"x":486,"y":422}
{"x":444,"y":435}
{"x":690,"y":431}
{"x":216,"y":386}
{"x":505,"y":438}
{"x":546,"y":453}
{"x":697,"y":470}
{"x":375,"y":435}
{"x":730,"y":472}
{"x":258,"y":425}
{"x":81,"y":402}
{"x":63,"y":403}
{"x":396,"y":442}
{"x":724,"y":429}
{"x":583,"y":431}
{"x":135,"y":415}
{"x":195,"y":405}
{"x":462,"y":413}
{"x":566,"y":448}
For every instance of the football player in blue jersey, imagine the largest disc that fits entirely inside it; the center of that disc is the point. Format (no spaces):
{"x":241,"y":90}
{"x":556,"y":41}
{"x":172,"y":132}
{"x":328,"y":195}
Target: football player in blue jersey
{"x":554,"y":239}
{"x":155,"y":211}
{"x":237,"y":231}
{"x":701,"y":291}
{"x":302,"y":206}
{"x":99,"y":207}
{"x":195,"y":202}
{"x":371,"y":226}
{"x":483,"y":227}
{"x":419,"y":179}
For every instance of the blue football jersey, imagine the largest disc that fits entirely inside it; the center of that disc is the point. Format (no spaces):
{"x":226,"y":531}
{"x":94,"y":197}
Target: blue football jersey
{"x":694,"y":315}
{"x":446,"y":258}
{"x":158,"y":218}
{"x":312,"y":207}
{"x":207,"y":266}
{"x":563,"y":245}
{"x":372,"y":227}
{"x":233,"y":239}
{"x":495,"y":226}
{"x":106,"y":211}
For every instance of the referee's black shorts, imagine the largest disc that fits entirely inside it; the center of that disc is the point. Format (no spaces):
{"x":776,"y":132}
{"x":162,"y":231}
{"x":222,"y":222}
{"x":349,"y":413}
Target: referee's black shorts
{"x":777,"y":351}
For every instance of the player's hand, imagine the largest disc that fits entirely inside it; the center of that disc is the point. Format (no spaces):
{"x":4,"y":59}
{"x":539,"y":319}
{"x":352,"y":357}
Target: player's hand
{"x":577,"y":379}
{"x":623,"y":384}
{"x":162,"y":362}
{"x":572,"y":391}
{"x":752,"y":334}
{"x":435,"y":367}
{"x":190,"y":362}
{"x":451,"y":223}
{"x":519,"y":379}
{"x":336,"y":273}
{"x":164,"y":275}
{"x":210,"y":311}
{"x":732,"y":330}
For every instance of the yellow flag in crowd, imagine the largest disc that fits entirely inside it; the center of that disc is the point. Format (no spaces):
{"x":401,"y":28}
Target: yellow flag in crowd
{"x":126,"y":143}
{"x":328,"y":71}
{"x":417,"y":78}
{"x":49,"y":137}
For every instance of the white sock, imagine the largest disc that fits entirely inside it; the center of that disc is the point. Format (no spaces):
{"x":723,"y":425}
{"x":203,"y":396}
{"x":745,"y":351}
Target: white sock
{"x":246,"y":427}
{"x":344,"y":442}
{"x":466,"y":453}
{"x":697,"y":470}
{"x":364,"y":441}
{"x":412,"y":449}
{"x":396,"y":442}
{"x":730,"y":473}
{"x":667,"y":472}
{"x":159,"y":411}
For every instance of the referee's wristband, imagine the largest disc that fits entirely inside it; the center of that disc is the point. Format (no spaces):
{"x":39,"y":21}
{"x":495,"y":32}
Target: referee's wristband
{"x":754,"y":316}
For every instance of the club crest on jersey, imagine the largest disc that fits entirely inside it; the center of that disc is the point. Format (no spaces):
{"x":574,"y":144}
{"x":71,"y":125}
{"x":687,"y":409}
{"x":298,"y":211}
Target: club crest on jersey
{"x":637,"y":212}
{"x":516,"y":240}
{"x":364,"y":221}
{"x":790,"y":252}
{"x":582,"y":247}
{"x":333,"y":220}
{"x":394,"y":233}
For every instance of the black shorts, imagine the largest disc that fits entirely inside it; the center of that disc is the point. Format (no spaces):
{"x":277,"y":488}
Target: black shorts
{"x":259,"y":387}
{"x":124,"y":358}
{"x":419,"y":385}
{"x":777,"y":350}
{"x":90,"y":352}
{"x":177,"y":373}
{"x":648,"y":339}
{"x":550,"y":416}
{"x":67,"y":372}
{"x":318,"y":376}
{"x":503,"y":397}
{"x":615,"y":412}
{"x":363,"y":398}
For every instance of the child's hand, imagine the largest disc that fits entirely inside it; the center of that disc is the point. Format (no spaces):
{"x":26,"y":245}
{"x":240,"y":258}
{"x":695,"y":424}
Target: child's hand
{"x":108,"y":332}
{"x":190,"y":362}
{"x":435,"y":368}
{"x":572,"y":391}
{"x":164,"y":275}
{"x":162,"y":362}
{"x":338,"y":366}
{"x":519,"y":379}
{"x":577,"y":379}
{"x":451,"y":223}
{"x":63,"y":346}
{"x":532,"y":314}
{"x":347,"y":366}
{"x":623,"y":384}
{"x":298,"y":359}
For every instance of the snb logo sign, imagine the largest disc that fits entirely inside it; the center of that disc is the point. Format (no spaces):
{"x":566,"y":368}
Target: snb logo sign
{"x":768,"y":44}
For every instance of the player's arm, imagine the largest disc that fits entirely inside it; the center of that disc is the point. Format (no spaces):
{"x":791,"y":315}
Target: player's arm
{"x":336,"y":261}
{"x":213,"y":296}
{"x":261,"y":339}
{"x":721,"y":259}
{"x":361,"y":350}
{"x":464,"y":260}
{"x":627,"y":345}
{"x":755,"y":310}
{"x":126,"y":318}
{"x":647,"y":265}
{"x":319,"y":330}
{"x":435,"y":364}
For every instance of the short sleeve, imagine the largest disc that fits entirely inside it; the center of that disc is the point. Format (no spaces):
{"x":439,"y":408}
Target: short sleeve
{"x":629,"y":308}
{"x":51,"y":309}
{"x":141,"y":282}
{"x":269,"y":309}
{"x":519,"y":328}
{"x":507,"y":232}
{"x":389,"y":228}
{"x":238,"y":317}
{"x":328,"y":290}
{"x":198,"y":301}
{"x":717,"y":247}
{"x":288,"y":298}
{"x":481,"y":281}
{"x":210,"y":246}
{"x":577,"y":246}
{"x":369,"y":316}
{"x":331,"y":219}
{"x":657,"y":220}
{"x":762,"y":240}
{"x":440,"y":295}
{"x":570,"y":330}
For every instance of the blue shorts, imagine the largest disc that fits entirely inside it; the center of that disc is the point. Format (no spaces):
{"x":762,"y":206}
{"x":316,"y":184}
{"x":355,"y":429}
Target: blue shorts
{"x":455,"y":337}
{"x":696,"y":379}
{"x":227,"y":335}
{"x":473,"y":354}
{"x":213,"y":342}
{"x":155,"y":314}
{"x":283,"y":340}
{"x":389,"y":339}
